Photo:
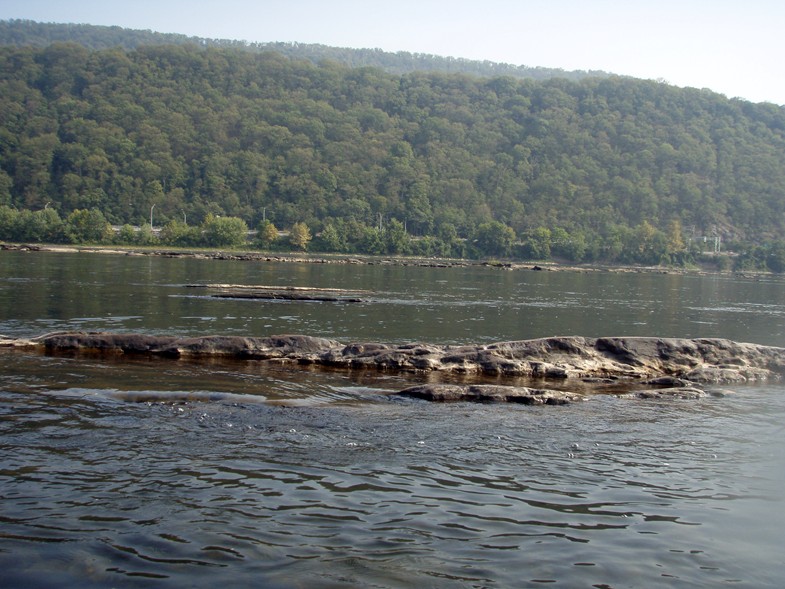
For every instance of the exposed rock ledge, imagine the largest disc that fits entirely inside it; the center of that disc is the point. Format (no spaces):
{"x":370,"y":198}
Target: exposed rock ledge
{"x":651,"y":367}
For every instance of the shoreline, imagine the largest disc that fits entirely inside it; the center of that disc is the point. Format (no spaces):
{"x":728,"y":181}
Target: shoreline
{"x":305,"y":258}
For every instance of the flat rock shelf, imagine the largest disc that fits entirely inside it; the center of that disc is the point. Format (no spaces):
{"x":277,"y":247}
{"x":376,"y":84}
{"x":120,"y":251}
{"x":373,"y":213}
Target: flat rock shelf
{"x":568,"y":368}
{"x":281,"y":293}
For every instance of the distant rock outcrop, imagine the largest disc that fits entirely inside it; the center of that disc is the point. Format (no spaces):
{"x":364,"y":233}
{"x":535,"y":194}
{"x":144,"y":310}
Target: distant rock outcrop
{"x":650,"y":367}
{"x":282,"y":293}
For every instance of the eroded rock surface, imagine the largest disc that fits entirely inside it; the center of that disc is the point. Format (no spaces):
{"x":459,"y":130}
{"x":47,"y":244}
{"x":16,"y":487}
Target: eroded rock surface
{"x":674,"y":364}
{"x":487,"y":393}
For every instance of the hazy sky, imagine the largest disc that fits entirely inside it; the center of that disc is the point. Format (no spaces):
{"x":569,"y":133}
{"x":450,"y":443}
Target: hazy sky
{"x":730,"y":46}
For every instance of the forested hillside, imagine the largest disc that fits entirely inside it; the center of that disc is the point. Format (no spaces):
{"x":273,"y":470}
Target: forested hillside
{"x":25,"y":33}
{"x":599,"y":168}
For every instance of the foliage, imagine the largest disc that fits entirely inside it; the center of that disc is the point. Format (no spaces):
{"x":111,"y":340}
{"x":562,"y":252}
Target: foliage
{"x":145,"y":235}
{"x":537,"y":244}
{"x":592,"y":169}
{"x":224,"y":231}
{"x":331,"y":240}
{"x":37,"y":34}
{"x":769,"y":256}
{"x":267,"y":234}
{"x":494,"y":239}
{"x":300,"y":236}
{"x":87,"y":226}
{"x":178,"y":233}
{"x":775,"y":258}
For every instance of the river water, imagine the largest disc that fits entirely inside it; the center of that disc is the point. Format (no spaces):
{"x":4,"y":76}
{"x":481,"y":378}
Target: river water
{"x":161,"y":473}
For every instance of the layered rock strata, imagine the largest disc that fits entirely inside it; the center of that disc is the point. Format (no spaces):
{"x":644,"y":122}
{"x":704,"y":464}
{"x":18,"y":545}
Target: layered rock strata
{"x":648,"y":363}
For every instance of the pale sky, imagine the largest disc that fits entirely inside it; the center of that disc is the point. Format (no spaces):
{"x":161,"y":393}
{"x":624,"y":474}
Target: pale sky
{"x":734,"y":47}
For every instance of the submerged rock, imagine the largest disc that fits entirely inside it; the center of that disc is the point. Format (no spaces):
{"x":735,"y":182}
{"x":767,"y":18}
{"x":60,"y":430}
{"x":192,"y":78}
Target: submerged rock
{"x":283,"y":293}
{"x":287,"y":296}
{"x":490,"y":394}
{"x":684,"y":392}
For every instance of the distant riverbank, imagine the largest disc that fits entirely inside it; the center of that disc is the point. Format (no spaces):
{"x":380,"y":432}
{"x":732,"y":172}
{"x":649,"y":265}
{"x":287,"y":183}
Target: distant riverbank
{"x":255,"y":256}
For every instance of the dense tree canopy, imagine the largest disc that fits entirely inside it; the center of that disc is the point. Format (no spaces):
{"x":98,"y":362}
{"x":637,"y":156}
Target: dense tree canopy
{"x":27,"y":33}
{"x":441,"y":164}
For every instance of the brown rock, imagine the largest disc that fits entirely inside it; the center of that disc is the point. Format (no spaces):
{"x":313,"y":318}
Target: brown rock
{"x":672,"y":362}
{"x":489,"y":394}
{"x":669,"y":393}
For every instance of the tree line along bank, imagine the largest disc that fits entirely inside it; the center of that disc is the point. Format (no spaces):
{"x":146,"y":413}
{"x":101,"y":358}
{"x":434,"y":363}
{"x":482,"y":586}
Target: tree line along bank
{"x":645,"y":244}
{"x":592,"y":170}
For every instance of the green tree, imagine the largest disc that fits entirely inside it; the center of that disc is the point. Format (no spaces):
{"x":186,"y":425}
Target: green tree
{"x":751,"y":258}
{"x":43,"y":226}
{"x":224,"y":231}
{"x":227,"y":130}
{"x":176,"y":233}
{"x":571,"y":246}
{"x":775,"y":260}
{"x":651,"y":245}
{"x":8,"y":221}
{"x":87,"y":226}
{"x":676,"y":247}
{"x":396,"y":239}
{"x":300,"y":236}
{"x":369,"y":240}
{"x":6,"y":183}
{"x":675,"y":237}
{"x":267,"y":234}
{"x":332,"y":239}
{"x":494,"y":239}
{"x":51,"y":225}
{"x":126,"y":235}
{"x":146,"y":235}
{"x":538,"y":244}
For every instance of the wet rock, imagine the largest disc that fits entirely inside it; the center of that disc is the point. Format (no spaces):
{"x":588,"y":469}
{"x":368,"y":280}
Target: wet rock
{"x":295,"y":347}
{"x":287,"y":296}
{"x":667,"y":381}
{"x":106,"y":343}
{"x":300,"y":348}
{"x":727,"y":374}
{"x":489,"y":394}
{"x":668,"y":393}
{"x":662,"y":363}
{"x":409,"y":357}
{"x":718,"y":393}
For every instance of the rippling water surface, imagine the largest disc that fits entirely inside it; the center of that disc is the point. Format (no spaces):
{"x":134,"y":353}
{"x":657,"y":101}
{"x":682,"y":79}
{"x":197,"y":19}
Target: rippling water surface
{"x":170,"y":474}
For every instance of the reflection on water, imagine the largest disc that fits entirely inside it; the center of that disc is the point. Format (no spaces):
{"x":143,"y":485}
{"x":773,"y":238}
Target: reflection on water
{"x":176,"y":474}
{"x":107,"y":485}
{"x":46,"y":291}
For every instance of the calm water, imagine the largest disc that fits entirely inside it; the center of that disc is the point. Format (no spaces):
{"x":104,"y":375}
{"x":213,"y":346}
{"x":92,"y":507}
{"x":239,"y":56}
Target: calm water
{"x":170,"y":474}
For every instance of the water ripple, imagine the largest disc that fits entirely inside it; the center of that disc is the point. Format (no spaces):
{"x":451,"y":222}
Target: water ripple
{"x":105,"y":487}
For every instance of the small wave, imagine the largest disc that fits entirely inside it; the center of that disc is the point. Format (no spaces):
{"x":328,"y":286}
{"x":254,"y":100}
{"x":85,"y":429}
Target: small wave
{"x":184,"y":397}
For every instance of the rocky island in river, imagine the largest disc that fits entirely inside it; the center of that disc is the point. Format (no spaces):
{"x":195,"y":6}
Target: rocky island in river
{"x":564,"y":369}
